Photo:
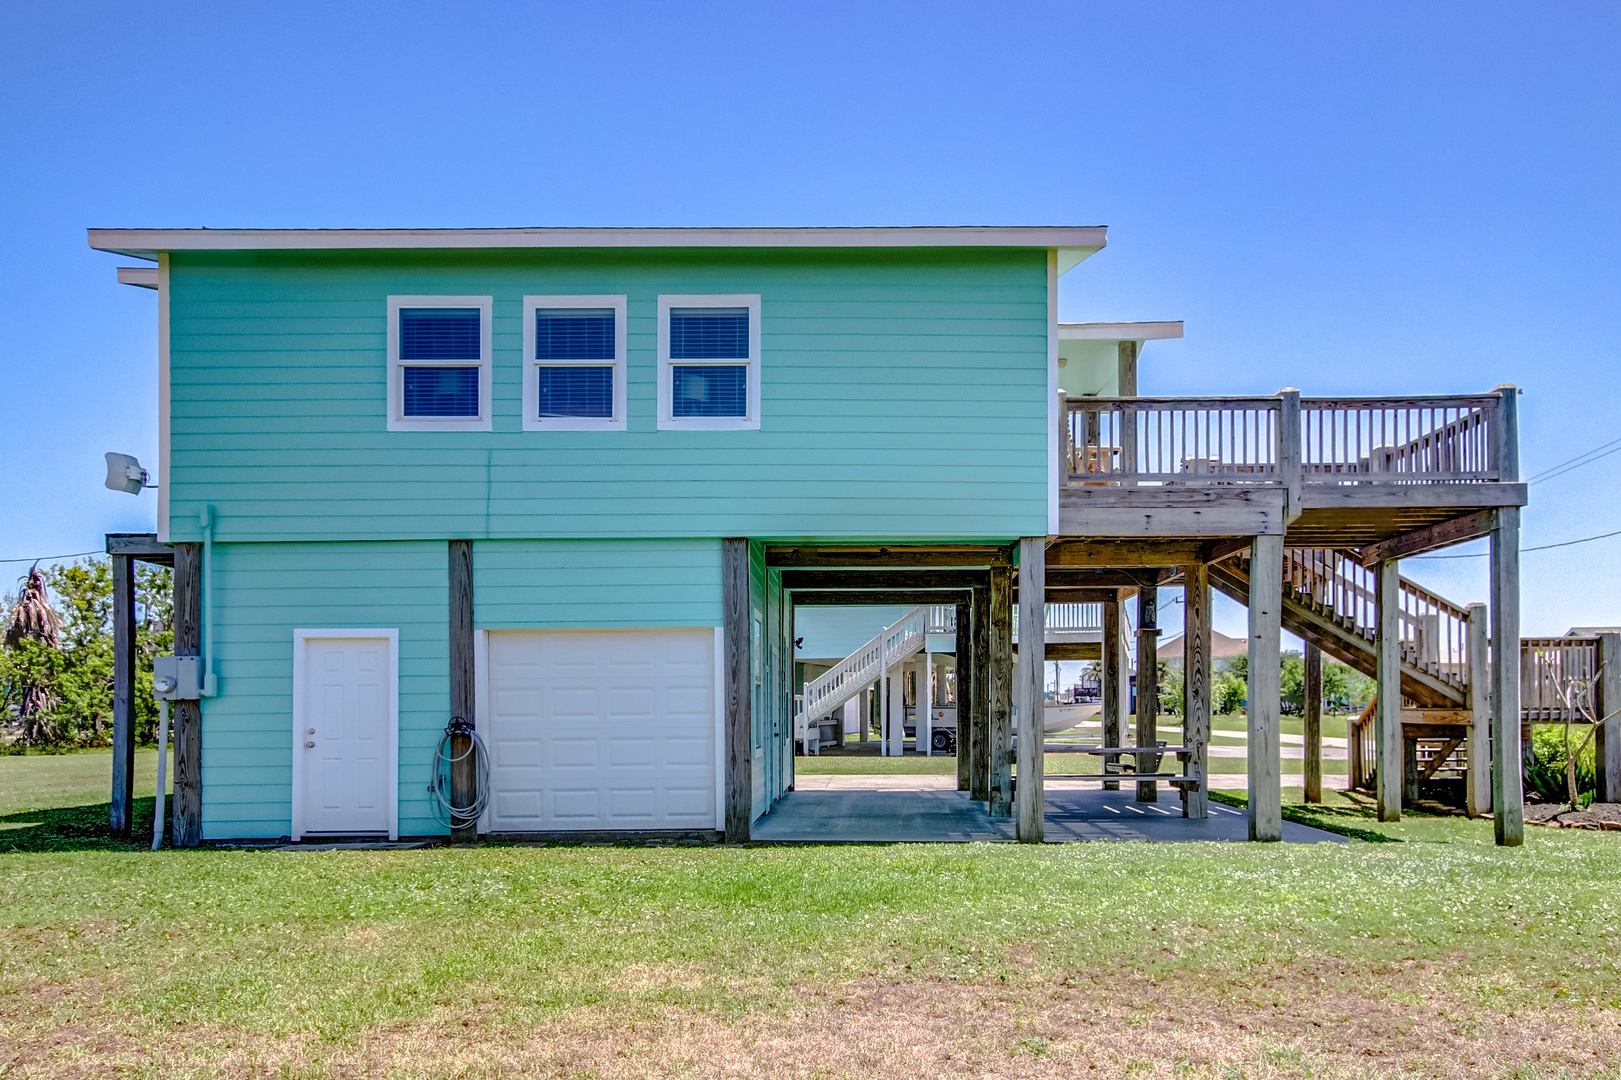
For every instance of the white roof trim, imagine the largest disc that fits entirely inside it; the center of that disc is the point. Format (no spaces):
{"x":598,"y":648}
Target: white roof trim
{"x":1119,"y":331}
{"x":1078,"y":241}
{"x":145,"y":277}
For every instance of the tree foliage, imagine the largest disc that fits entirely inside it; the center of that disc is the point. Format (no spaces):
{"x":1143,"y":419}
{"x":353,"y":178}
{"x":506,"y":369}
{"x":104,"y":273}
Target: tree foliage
{"x":56,"y":673}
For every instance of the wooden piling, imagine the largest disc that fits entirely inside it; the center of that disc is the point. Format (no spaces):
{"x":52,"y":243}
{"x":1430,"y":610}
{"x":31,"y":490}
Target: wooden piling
{"x":1508,"y":793}
{"x":187,"y":815}
{"x":121,"y":811}
{"x":979,"y":725}
{"x":1265,"y":660}
{"x":999,"y":743}
{"x":1606,"y":700}
{"x":1312,"y":708}
{"x":1147,"y":688}
{"x":1389,"y":771}
{"x":964,"y":661}
{"x":1029,"y":687}
{"x":463,"y":695}
{"x":1196,"y":686}
{"x":1478,"y":778}
{"x":1114,"y":688}
{"x":739,"y":799}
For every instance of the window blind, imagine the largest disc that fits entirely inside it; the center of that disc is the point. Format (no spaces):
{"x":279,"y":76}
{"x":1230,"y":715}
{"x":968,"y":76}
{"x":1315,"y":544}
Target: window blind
{"x":709,"y":334}
{"x":709,"y":390}
{"x":576,"y":392}
{"x":574,"y":334}
{"x":440,"y":391}
{"x":440,"y":334}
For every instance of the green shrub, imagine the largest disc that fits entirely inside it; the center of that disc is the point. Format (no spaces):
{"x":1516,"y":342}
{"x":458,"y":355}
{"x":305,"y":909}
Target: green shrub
{"x":1546,"y":772}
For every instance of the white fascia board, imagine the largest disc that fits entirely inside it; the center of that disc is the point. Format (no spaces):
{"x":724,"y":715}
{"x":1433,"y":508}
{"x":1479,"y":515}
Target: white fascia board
{"x":1120,"y":331}
{"x":144,"y":277}
{"x":1073,"y":242}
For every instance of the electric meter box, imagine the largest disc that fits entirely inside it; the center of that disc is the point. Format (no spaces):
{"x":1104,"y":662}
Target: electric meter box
{"x":177,"y":678}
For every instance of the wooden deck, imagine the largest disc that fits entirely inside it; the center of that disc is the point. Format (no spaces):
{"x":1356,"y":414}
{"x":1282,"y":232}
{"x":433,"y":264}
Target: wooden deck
{"x":1321,"y":472}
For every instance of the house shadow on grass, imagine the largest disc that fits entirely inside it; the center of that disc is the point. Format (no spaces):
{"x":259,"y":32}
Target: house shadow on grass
{"x":73,"y":828}
{"x":1350,"y":815}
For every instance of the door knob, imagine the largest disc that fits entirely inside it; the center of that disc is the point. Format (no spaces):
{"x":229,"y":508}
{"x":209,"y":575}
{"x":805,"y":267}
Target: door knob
{"x":309,"y":746}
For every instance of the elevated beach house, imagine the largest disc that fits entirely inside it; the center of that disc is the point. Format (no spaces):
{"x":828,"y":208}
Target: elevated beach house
{"x":500,"y":531}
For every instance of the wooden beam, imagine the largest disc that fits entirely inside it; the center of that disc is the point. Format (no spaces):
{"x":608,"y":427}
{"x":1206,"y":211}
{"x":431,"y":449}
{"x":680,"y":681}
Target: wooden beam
{"x":1265,"y":661}
{"x":142,"y":546}
{"x":1081,"y":596}
{"x":1029,"y":690}
{"x":858,"y":597}
{"x":979,"y":719}
{"x":1312,"y":702}
{"x":801,"y":580}
{"x":187,"y":828}
{"x":1131,"y":512}
{"x":1454,"y":531}
{"x":999,"y":742}
{"x":1073,"y":650}
{"x":1196,"y":682}
{"x":854,"y":556}
{"x":1116,"y":554}
{"x":1607,"y":699}
{"x":739,"y":800}
{"x":1478,"y":778}
{"x":1387,"y":732}
{"x":1114,"y":684}
{"x":121,"y":809}
{"x":1097,"y":578}
{"x":1126,"y":367}
{"x":463,"y":695}
{"x":1147,"y":730}
{"x":965,"y":686}
{"x":1336,"y":494}
{"x":1508,"y":793}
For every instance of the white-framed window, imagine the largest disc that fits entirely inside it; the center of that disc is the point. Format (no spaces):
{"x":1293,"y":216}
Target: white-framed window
{"x":574,"y":363}
{"x":439,"y":363}
{"x":709,"y":362}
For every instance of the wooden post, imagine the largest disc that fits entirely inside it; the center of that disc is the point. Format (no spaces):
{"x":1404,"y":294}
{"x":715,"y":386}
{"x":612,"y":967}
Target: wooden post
{"x":1409,"y":769}
{"x":999,"y":742}
{"x":925,"y":702}
{"x":187,"y":829}
{"x":1196,"y":687}
{"x":1114,"y":684}
{"x":463,"y":701}
{"x":895,"y":722}
{"x":1606,"y":700}
{"x":979,"y":727}
{"x":1508,"y":795}
{"x":121,"y":811}
{"x":1029,"y":688}
{"x":1147,"y":687}
{"x":1478,"y":779}
{"x":1126,"y":360}
{"x":964,"y":658}
{"x":1388,"y":773}
{"x":1265,"y":661}
{"x":734,"y":564}
{"x":1313,"y":709}
{"x":1288,"y":452}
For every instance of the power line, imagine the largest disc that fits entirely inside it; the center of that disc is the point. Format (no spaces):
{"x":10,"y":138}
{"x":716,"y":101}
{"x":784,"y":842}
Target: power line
{"x":1523,"y":551}
{"x":1577,"y":462}
{"x":54,"y":558}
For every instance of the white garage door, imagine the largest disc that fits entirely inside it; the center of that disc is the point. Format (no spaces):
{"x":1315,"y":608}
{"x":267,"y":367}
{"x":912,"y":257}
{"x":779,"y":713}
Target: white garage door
{"x":601,"y":729}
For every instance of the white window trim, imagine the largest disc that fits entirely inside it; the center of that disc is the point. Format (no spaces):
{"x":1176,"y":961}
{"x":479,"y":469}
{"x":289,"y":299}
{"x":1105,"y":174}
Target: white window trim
{"x":531,"y":366}
{"x":301,"y":639}
{"x":667,"y":420}
{"x":397,"y":420}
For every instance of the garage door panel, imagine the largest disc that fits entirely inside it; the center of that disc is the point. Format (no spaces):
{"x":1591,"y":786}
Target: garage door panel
{"x":601,"y":729}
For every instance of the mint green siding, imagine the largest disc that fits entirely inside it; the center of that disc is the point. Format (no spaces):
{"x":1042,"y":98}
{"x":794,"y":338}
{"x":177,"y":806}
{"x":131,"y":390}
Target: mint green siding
{"x":263,"y":592}
{"x":903,"y":396}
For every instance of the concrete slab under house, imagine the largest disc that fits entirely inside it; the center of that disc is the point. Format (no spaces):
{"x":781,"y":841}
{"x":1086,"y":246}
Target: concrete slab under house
{"x":588,"y":533}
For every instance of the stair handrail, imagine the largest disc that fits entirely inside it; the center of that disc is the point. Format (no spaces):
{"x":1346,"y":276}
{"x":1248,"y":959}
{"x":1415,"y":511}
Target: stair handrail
{"x":862,"y":667}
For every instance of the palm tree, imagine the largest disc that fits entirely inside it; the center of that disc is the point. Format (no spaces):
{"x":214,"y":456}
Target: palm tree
{"x":34,"y":620}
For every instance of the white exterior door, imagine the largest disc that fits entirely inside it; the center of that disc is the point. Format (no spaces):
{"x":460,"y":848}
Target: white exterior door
{"x":343,"y":735}
{"x":600,"y":729}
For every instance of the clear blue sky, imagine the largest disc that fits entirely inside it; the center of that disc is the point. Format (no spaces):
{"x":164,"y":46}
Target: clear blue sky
{"x":1366,"y":198}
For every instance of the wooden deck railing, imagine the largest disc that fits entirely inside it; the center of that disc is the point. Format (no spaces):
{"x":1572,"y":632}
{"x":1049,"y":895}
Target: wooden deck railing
{"x":1287,"y":440}
{"x":1551,"y":669}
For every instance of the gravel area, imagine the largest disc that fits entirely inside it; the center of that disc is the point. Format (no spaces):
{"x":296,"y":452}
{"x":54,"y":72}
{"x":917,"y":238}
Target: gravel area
{"x":1605,"y":816}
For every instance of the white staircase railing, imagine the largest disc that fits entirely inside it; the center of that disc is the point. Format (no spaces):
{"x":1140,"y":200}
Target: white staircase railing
{"x":862,"y":668}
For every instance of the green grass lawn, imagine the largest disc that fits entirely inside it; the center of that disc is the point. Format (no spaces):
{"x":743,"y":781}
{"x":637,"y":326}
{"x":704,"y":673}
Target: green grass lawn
{"x":1433,"y":954}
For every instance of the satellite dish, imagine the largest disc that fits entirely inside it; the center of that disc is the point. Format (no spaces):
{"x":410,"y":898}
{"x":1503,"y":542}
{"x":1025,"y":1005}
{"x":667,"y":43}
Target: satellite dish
{"x":124,"y":473}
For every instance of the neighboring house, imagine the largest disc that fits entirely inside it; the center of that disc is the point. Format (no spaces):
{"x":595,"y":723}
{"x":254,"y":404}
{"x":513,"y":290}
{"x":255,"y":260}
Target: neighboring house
{"x":568,"y":483}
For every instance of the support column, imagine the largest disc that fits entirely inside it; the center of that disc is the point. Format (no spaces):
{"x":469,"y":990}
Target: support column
{"x":965,"y":689}
{"x":999,"y":742}
{"x":1029,"y":688}
{"x":1265,"y":660}
{"x":739,"y":801}
{"x":187,"y":829}
{"x":875,"y":711}
{"x":1508,"y":794}
{"x":979,"y":725}
{"x":1606,"y":700}
{"x":1196,"y":687}
{"x":1478,"y":777}
{"x":463,"y":703}
{"x":121,"y":810}
{"x":1114,"y":684}
{"x":1147,"y":687}
{"x":895,"y":725}
{"x":925,"y":702}
{"x":1388,"y":775}
{"x":1312,"y":706}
